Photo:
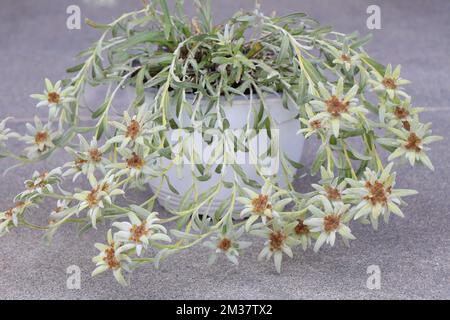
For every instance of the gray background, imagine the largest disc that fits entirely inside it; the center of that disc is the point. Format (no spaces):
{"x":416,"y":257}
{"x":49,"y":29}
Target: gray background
{"x":413,"y":253}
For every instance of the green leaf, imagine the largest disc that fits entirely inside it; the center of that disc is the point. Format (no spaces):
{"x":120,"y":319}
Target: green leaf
{"x":284,"y":50}
{"x":361,"y":42}
{"x":75,"y":68}
{"x":83,"y":129}
{"x":183,"y":235}
{"x":315,"y":75}
{"x":375,"y":65}
{"x":167,"y":19}
{"x":296,"y":165}
{"x":204,"y":178}
{"x":95,"y":25}
{"x":150,"y":37}
{"x":355,"y":155}
{"x":204,"y":10}
{"x":64,"y":139}
{"x":253,"y":183}
{"x":101,"y":127}
{"x":256,"y":48}
{"x":84,"y":229}
{"x":267,"y":125}
{"x":218,"y":169}
{"x":166,"y":153}
{"x":140,"y":82}
{"x":171,"y":187}
{"x":100,"y":111}
{"x":320,"y":159}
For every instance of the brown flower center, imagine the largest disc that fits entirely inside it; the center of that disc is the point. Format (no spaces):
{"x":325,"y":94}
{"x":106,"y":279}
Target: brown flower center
{"x":261,"y":203}
{"x":133,"y":130}
{"x":276,"y":240}
{"x":20,"y":204}
{"x":41,"y":184}
{"x":401,"y":113}
{"x":301,"y":228}
{"x":413,"y":142}
{"x":53,"y":97}
{"x":345,"y":58}
{"x":9,"y":213}
{"x":111,"y":259}
{"x":92,"y":197}
{"x":224,"y":244}
{"x":79,"y":162}
{"x":41,"y":137}
{"x":377,"y":193}
{"x":331,"y":222}
{"x":315,"y":124}
{"x":335,"y":106}
{"x":332,"y":193}
{"x":32,"y":185}
{"x":95,"y":155}
{"x":135,"y":161}
{"x":43,"y":175}
{"x":105,"y":187}
{"x":406,"y":125}
{"x":389,"y":83}
{"x":58,"y":209}
{"x":137,"y":232}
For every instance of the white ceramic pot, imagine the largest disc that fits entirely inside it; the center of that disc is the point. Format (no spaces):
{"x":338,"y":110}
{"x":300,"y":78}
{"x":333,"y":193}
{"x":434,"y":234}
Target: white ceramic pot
{"x":289,"y":142}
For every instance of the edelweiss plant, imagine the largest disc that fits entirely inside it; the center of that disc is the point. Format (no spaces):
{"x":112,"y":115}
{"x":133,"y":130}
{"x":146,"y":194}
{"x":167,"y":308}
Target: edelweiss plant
{"x":185,"y":74}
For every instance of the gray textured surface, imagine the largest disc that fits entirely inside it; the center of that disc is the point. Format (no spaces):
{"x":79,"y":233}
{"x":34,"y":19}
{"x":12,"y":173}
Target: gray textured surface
{"x":412,"y":253}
